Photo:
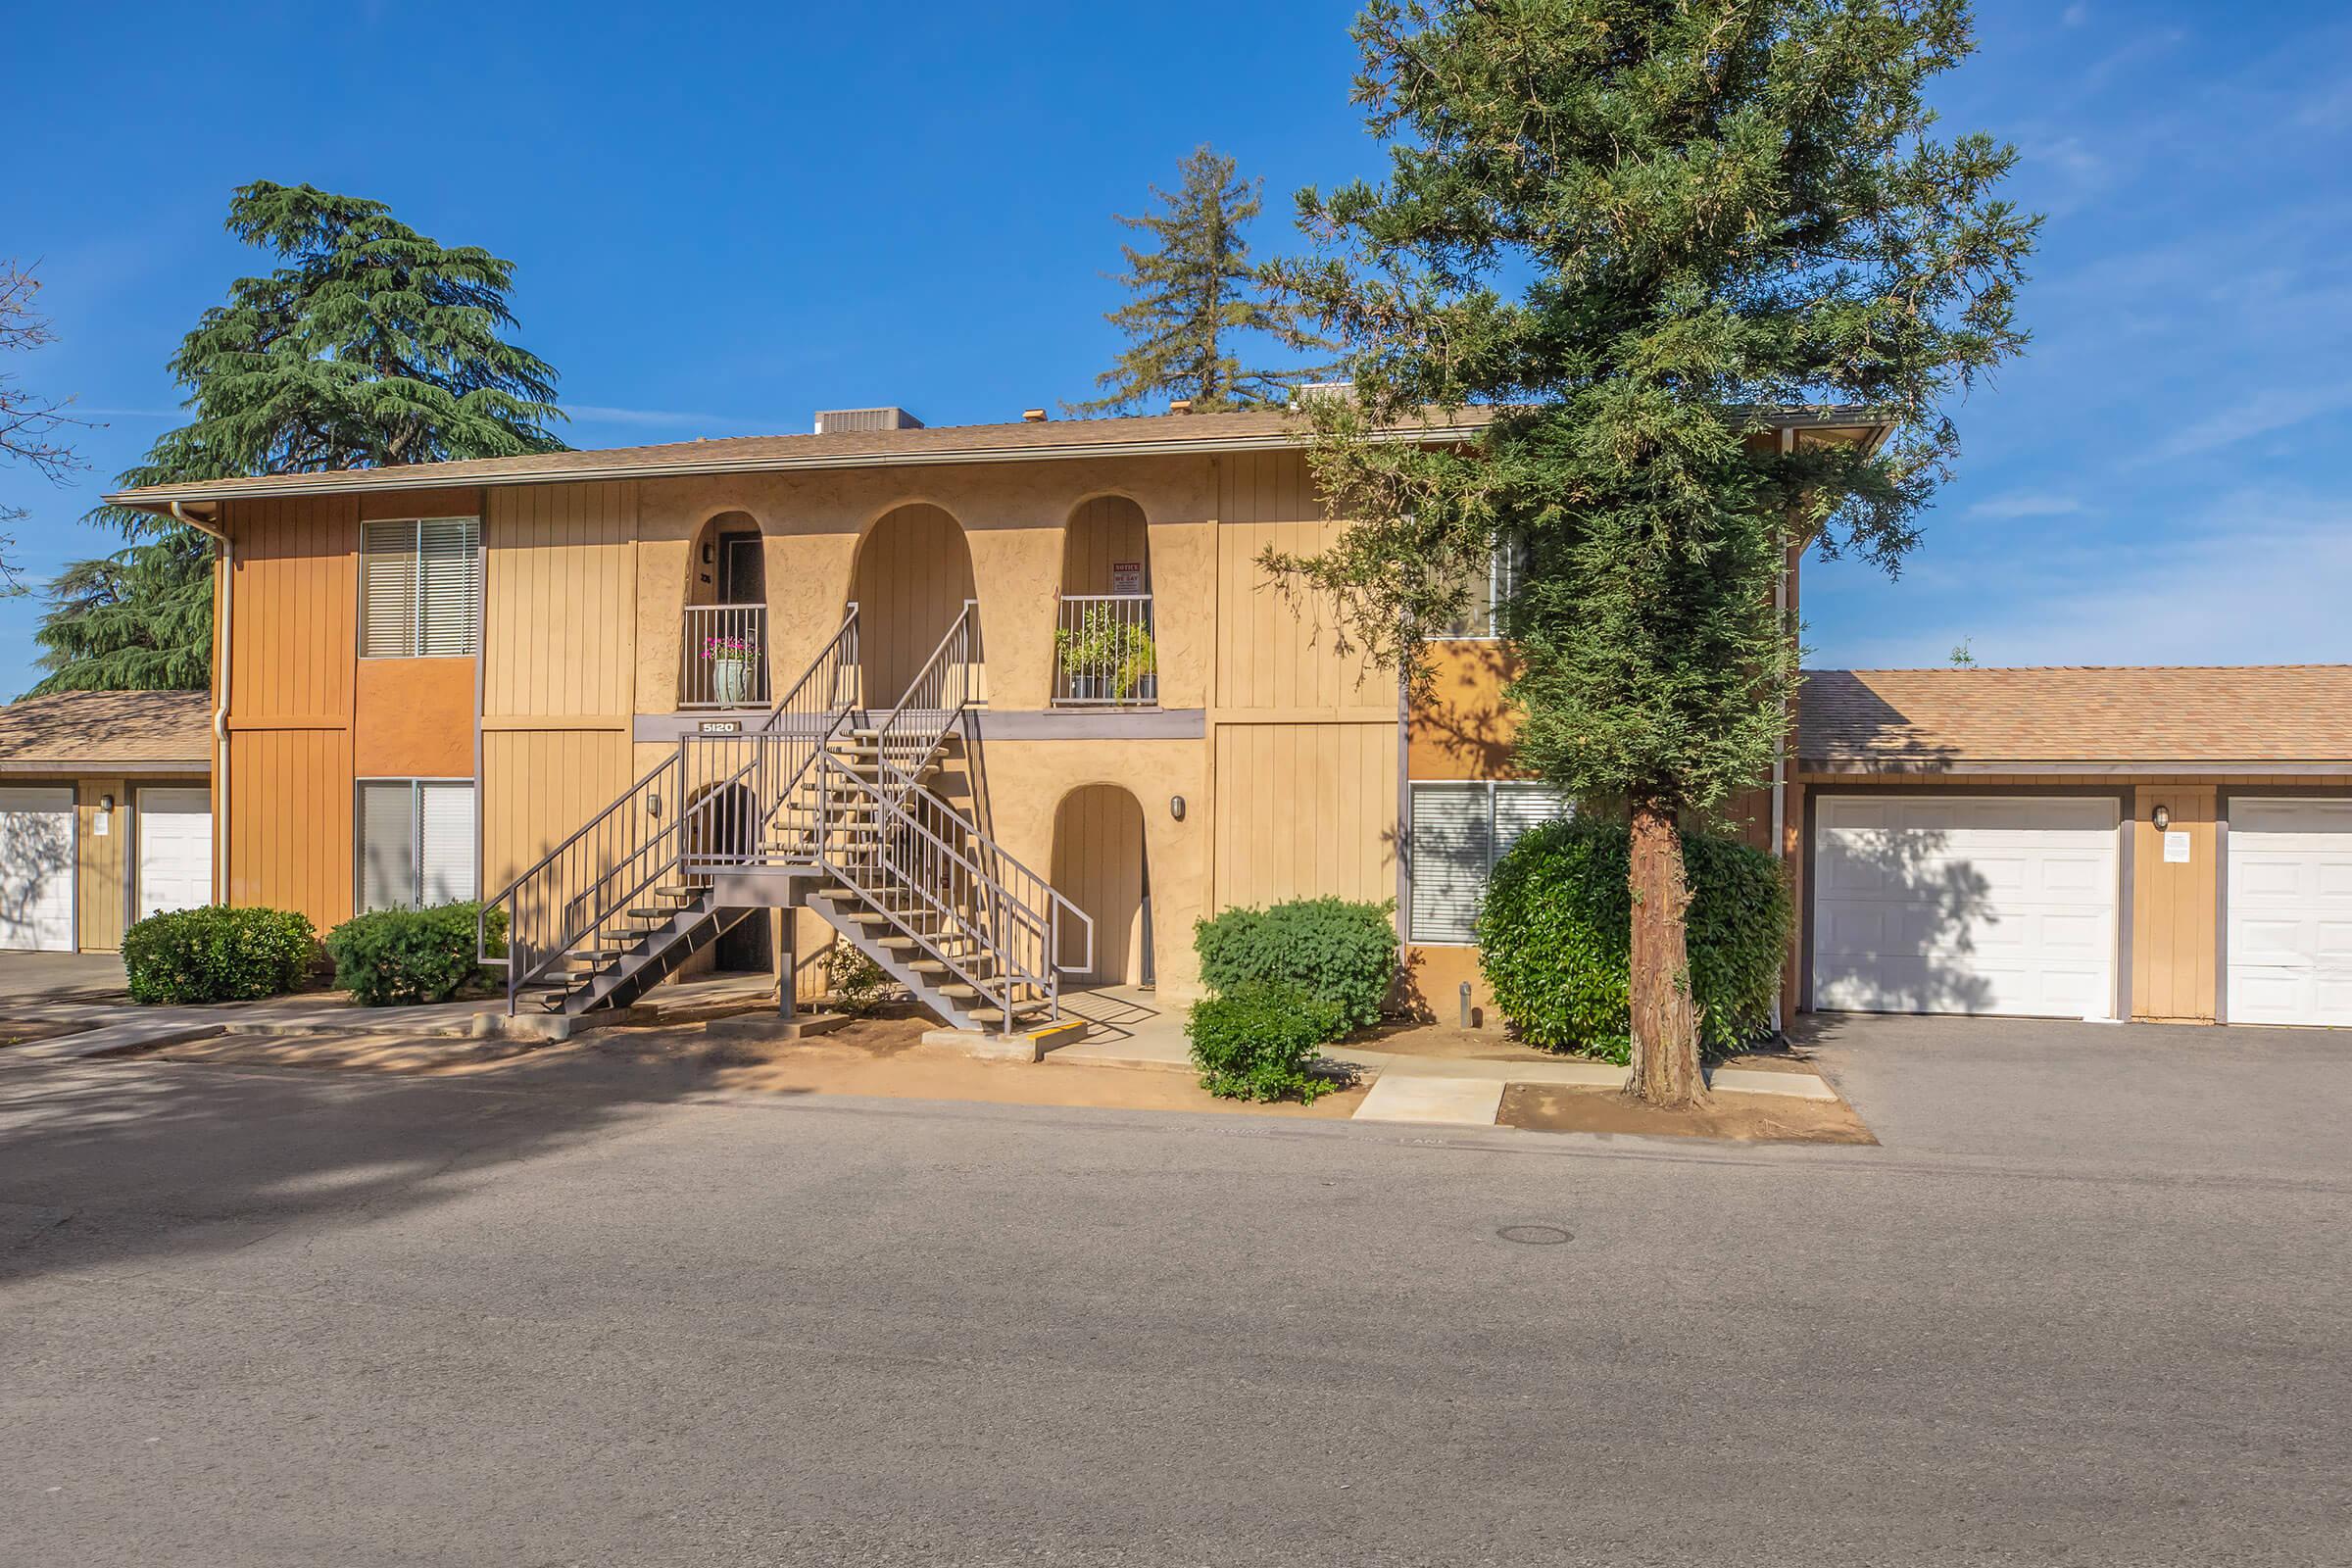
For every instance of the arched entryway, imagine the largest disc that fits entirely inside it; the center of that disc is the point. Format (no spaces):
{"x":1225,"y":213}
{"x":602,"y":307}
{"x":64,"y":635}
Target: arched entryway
{"x":1099,"y":864}
{"x":914,"y":574}
{"x":722,"y":642}
{"x":1104,"y":653}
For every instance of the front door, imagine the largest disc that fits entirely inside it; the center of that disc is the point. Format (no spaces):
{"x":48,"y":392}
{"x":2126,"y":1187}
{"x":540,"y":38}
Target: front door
{"x":742,"y":570}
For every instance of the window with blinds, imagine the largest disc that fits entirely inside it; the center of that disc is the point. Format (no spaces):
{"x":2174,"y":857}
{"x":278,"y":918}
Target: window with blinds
{"x":1460,"y":830}
{"x":416,"y":843}
{"x":420,"y":588}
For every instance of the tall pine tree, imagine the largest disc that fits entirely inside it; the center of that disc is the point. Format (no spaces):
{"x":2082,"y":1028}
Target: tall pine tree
{"x":1197,"y":301}
{"x":1635,"y":225}
{"x":368,"y":344}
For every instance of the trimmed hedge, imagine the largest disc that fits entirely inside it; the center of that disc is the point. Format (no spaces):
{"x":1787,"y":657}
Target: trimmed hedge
{"x":396,"y":956}
{"x":1341,"y":953}
{"x":1259,"y":1042}
{"x":218,"y":953}
{"x":1555,"y":935}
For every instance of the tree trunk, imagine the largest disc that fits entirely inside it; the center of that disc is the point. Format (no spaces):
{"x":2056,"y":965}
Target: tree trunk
{"x":1665,"y":1021}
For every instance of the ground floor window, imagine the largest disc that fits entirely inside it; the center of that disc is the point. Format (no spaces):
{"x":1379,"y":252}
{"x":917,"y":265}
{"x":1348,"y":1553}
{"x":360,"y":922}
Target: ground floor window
{"x":1460,"y":830}
{"x":415,"y":842}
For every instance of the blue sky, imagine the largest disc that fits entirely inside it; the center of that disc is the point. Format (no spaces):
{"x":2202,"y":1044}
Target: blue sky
{"x":725,"y":219}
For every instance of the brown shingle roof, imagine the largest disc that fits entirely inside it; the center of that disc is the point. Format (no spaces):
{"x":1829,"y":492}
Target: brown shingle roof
{"x":101,"y":732}
{"x":1138,"y":435}
{"x":2203,"y":714}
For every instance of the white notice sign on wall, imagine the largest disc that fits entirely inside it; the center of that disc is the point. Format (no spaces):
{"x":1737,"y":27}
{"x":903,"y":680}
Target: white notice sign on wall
{"x":2176,"y":848}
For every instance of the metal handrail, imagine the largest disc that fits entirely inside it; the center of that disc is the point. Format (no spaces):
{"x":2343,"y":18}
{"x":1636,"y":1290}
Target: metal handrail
{"x":621,"y":841}
{"x":950,"y":661}
{"x":974,"y":833}
{"x":996,"y":905}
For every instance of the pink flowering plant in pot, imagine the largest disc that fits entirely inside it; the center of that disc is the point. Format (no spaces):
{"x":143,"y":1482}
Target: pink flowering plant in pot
{"x":730,"y":660}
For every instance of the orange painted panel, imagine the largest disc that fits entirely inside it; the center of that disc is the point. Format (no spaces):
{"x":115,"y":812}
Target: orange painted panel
{"x":289,"y":827}
{"x":1460,"y":727}
{"x":413,"y":718}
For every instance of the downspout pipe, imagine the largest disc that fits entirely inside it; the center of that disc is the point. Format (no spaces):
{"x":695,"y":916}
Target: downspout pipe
{"x":1780,"y":761}
{"x":225,"y":550}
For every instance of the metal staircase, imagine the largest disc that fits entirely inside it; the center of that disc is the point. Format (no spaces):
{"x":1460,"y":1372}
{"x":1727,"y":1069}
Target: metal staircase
{"x":821,"y":806}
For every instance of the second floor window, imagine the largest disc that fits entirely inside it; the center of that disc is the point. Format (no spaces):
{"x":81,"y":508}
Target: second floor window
{"x":421,"y":587}
{"x":1507,"y":566}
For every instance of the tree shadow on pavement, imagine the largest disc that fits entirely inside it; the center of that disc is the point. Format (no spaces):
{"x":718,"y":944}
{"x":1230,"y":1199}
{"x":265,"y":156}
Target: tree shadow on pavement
{"x":107,"y":1164}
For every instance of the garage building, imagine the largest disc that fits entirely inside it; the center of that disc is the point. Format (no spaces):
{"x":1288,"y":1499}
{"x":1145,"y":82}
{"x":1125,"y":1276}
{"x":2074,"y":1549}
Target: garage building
{"x":2161,"y":844}
{"x":106,"y":815}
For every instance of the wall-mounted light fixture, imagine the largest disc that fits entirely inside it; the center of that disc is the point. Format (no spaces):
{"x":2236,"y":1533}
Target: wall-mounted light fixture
{"x":652,"y":805}
{"x":1176,"y":806}
{"x":106,"y":803}
{"x":2162,"y":816}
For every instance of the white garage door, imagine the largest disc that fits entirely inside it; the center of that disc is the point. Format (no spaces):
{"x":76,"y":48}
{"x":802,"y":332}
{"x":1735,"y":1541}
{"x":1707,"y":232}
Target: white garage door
{"x":176,"y":850}
{"x":2291,"y":911}
{"x":36,"y":869}
{"x":1965,"y":904}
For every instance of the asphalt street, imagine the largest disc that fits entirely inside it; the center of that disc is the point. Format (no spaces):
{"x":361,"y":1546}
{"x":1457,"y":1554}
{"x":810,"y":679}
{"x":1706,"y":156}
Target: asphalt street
{"x":2088,"y":1305}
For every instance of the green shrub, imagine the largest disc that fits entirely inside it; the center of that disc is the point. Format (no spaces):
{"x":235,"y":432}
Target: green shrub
{"x":859,"y":984}
{"x":1341,"y":953}
{"x":1555,"y":935}
{"x":408,"y":956}
{"x":1258,"y":1041}
{"x":217,"y":953}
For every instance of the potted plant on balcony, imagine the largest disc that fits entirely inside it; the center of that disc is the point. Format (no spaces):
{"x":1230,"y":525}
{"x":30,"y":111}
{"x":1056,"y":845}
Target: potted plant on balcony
{"x":1106,"y":657}
{"x":730,"y":660}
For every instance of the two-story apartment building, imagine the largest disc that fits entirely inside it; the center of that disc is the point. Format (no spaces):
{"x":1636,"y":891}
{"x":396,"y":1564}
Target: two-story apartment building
{"x":1006,"y":703}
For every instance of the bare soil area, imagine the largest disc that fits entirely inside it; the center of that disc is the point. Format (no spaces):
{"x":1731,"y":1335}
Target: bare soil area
{"x":1754,"y":1118}
{"x":1447,"y":1042}
{"x":880,"y":1057}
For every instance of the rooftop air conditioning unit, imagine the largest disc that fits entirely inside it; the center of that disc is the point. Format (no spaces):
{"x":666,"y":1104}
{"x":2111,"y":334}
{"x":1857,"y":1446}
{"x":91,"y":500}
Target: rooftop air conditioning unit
{"x":845,"y":422}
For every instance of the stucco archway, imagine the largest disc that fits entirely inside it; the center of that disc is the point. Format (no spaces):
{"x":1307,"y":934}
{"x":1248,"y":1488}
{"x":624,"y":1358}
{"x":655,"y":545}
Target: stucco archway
{"x":1102,"y":865}
{"x":913,"y":574}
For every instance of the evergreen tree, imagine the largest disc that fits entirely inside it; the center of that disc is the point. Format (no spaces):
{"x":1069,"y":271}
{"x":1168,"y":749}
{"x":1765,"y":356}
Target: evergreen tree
{"x":1195,"y":292}
{"x":1638,"y":224}
{"x":369,"y":344}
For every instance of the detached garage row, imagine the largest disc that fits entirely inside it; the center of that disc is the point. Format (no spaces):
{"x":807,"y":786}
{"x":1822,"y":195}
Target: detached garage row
{"x":2170,"y":844}
{"x":106,"y":815}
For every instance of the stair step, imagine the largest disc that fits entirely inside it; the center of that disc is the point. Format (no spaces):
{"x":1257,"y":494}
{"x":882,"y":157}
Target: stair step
{"x":996,"y":1014}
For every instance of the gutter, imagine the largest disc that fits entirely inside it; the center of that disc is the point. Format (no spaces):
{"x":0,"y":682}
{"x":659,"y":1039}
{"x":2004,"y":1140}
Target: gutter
{"x":225,"y":550}
{"x":1930,"y":771}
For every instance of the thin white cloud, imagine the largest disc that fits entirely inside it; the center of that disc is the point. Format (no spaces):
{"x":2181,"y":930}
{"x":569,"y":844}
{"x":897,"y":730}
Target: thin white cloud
{"x":2027,"y":504}
{"x":663,"y":419}
{"x":2258,"y":580}
{"x":2075,"y":15}
{"x":2272,"y":409}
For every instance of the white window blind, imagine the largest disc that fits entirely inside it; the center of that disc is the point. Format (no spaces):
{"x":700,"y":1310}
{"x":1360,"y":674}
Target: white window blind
{"x":420,"y":588}
{"x":387,"y":845}
{"x":416,"y":843}
{"x":445,"y":862}
{"x":1459,"y":831}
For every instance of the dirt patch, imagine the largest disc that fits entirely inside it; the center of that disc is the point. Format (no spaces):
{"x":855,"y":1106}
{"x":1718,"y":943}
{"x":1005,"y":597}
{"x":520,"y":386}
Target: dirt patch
{"x":1446,"y":1041}
{"x":884,"y":1058}
{"x":1752,"y":1118}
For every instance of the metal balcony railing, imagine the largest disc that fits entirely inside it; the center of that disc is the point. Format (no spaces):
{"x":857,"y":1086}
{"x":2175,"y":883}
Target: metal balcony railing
{"x":722,"y":654}
{"x":1104,"y":654}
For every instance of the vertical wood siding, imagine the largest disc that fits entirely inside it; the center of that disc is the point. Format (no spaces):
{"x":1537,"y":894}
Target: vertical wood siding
{"x":290,"y":803}
{"x":914,"y":571}
{"x":539,"y":785}
{"x":103,"y":865}
{"x":1098,"y":865}
{"x":560,"y":634}
{"x":1306,"y":809}
{"x":291,"y":671}
{"x":1101,"y":531}
{"x":2174,"y":906}
{"x":1274,"y":651}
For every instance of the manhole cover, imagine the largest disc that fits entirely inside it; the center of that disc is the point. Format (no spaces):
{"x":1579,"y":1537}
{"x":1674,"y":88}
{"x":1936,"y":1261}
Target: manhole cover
{"x":1535,"y":1235}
